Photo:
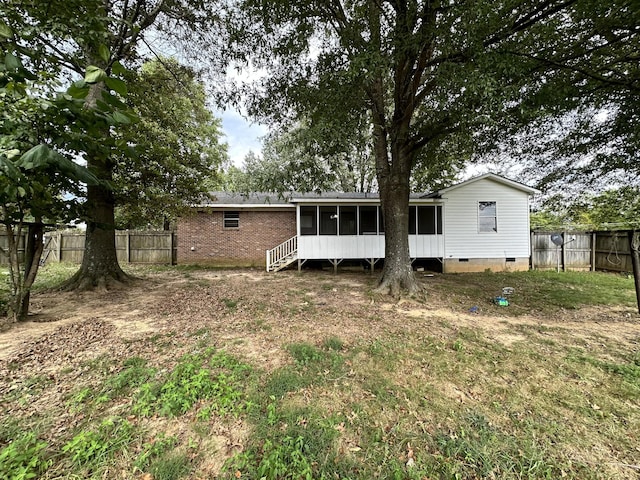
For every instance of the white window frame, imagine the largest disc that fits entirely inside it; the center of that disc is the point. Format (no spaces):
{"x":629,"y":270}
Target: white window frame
{"x":231,"y":219}
{"x":495,"y":217}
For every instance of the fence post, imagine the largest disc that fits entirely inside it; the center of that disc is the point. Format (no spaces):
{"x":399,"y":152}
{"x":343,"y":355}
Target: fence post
{"x":59,"y":246}
{"x":533,"y":250}
{"x":128,"y":246}
{"x":593,"y":251}
{"x":170,"y":248}
{"x":564,"y":252}
{"x":634,"y":250}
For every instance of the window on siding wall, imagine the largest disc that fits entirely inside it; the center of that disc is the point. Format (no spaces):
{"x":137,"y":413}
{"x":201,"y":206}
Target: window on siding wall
{"x":487,"y":218}
{"x":427,"y":220}
{"x":412,"y":219}
{"x":368,"y":220}
{"x":328,"y":220}
{"x":348,"y":220}
{"x":308,"y":222}
{"x":231,"y":219}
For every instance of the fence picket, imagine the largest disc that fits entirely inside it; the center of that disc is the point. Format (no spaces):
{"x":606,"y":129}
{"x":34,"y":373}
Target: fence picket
{"x":131,"y":247}
{"x":588,"y":252}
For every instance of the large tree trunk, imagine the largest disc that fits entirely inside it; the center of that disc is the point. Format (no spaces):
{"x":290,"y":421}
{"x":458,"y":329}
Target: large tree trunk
{"x":391,"y":139}
{"x":397,"y":274}
{"x":100,"y":267}
{"x":393,"y":181}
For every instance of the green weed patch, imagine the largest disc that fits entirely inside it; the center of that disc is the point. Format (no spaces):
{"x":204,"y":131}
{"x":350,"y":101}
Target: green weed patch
{"x":211,"y":377}
{"x":134,"y":374}
{"x":92,"y":449}
{"x":23,"y":458}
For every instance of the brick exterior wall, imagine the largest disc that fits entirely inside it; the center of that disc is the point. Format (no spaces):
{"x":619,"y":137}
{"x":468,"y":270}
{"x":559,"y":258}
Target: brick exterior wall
{"x":202,"y":238}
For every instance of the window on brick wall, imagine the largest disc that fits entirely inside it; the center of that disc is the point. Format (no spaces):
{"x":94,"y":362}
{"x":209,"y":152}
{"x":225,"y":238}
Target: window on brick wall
{"x":231,"y":219}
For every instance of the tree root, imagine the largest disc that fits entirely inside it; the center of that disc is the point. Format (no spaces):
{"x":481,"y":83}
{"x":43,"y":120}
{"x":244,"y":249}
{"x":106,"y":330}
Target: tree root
{"x":83,"y":281}
{"x":396,"y":285}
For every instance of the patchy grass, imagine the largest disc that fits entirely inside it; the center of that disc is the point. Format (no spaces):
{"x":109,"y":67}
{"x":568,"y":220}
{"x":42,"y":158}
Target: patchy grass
{"x":48,"y":276}
{"x":331,"y":382}
{"x":537,"y":291}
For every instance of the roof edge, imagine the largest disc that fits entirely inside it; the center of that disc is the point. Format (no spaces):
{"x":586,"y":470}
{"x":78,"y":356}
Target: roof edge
{"x":496,"y":178}
{"x":244,"y":205}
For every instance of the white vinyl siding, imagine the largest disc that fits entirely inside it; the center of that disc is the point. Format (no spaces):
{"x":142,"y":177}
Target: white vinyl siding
{"x":463,"y":235}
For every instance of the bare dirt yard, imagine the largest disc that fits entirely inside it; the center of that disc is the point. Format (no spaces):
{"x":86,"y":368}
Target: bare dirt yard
{"x":175,"y":302}
{"x":253,"y":316}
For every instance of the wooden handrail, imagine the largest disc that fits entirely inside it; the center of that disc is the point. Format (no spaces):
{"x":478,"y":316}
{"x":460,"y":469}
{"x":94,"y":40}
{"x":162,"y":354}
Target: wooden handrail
{"x":285,"y":249}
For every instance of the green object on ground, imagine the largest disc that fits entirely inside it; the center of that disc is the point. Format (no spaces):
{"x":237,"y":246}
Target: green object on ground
{"x":501,"y":301}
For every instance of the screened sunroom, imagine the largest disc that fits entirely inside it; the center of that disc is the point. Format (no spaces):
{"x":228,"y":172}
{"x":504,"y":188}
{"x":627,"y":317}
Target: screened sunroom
{"x":337,"y":229}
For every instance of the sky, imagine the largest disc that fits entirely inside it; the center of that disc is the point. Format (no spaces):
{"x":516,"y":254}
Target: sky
{"x":241,"y":135}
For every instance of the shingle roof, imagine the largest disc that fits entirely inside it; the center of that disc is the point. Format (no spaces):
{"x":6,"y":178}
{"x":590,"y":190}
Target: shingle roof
{"x":346,"y":196}
{"x":259,"y":198}
{"x":286,"y":198}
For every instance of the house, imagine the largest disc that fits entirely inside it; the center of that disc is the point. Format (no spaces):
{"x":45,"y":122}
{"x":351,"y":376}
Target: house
{"x":479,"y":224}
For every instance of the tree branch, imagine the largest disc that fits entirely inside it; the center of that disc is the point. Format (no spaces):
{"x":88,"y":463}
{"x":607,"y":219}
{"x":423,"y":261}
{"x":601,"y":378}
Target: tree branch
{"x":607,"y":81}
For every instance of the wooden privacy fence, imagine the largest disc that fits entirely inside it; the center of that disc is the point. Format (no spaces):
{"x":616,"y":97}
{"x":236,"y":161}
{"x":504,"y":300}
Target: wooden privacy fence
{"x":582,"y":251}
{"x":4,"y":244}
{"x":131,"y":247}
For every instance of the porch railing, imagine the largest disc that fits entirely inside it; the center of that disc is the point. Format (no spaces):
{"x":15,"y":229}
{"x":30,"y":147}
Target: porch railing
{"x":282,"y":255}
